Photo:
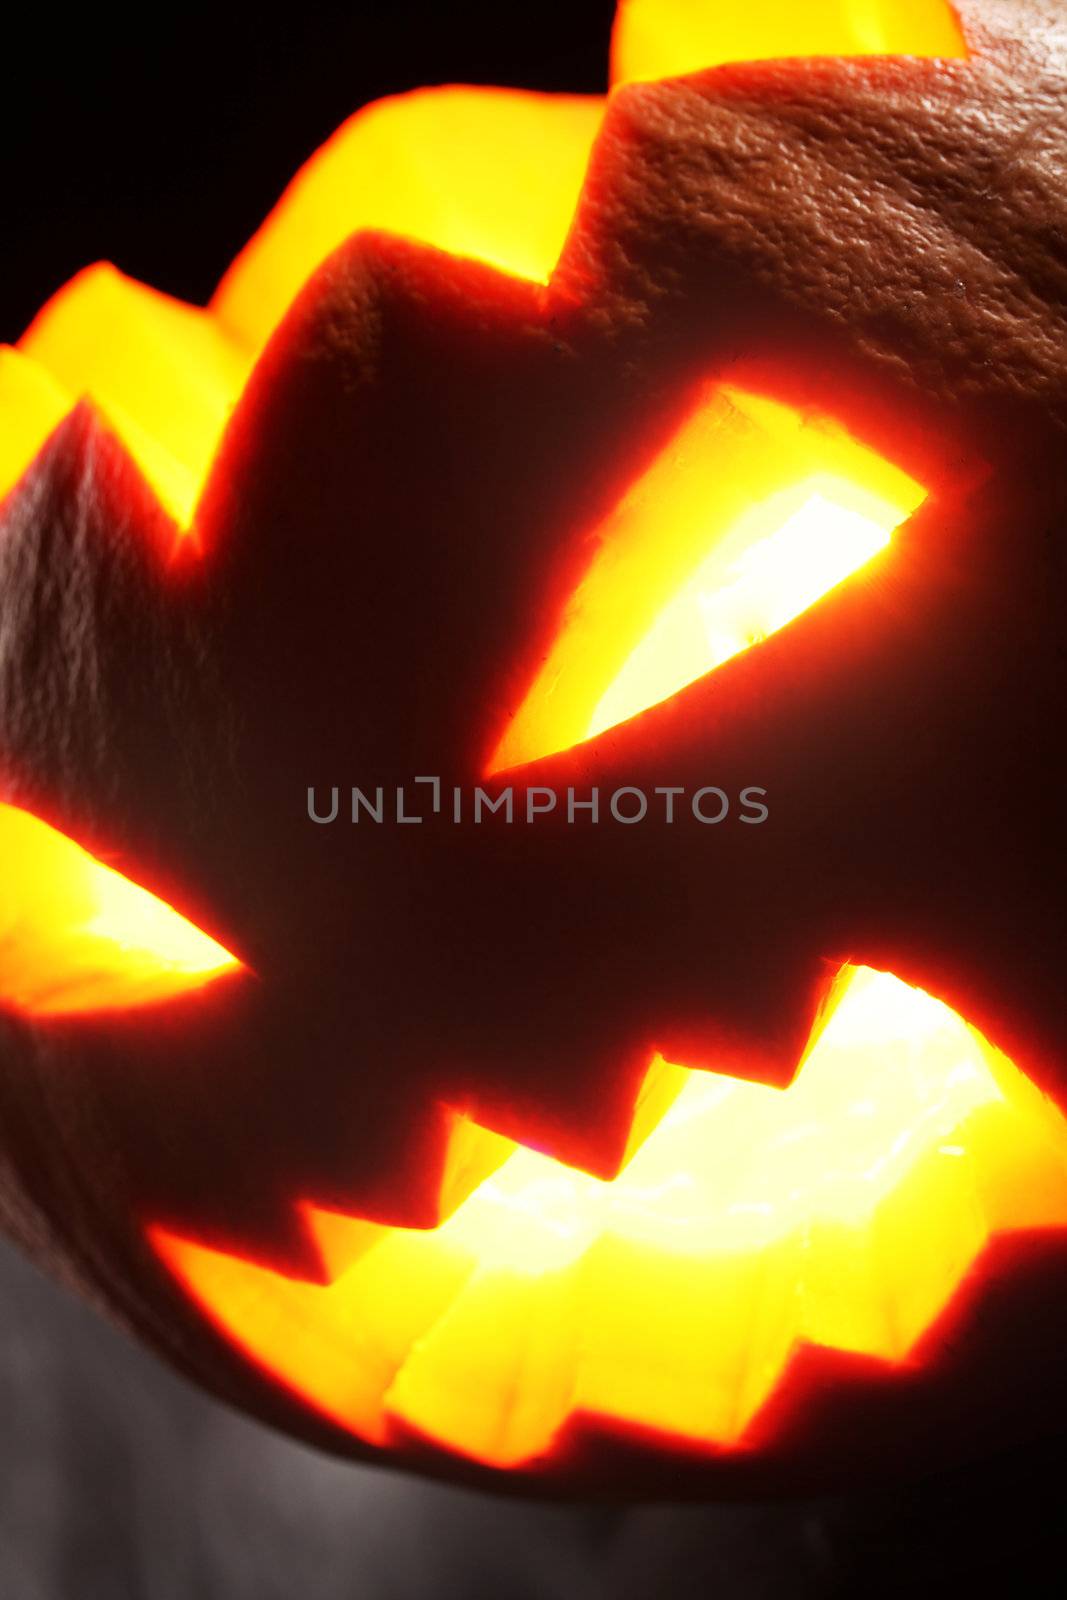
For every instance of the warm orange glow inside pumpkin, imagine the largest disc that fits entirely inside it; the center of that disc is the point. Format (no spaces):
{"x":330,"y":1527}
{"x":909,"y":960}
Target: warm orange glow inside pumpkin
{"x":744,"y":520}
{"x":669,"y":38}
{"x":843,"y":1211}
{"x":165,"y":375}
{"x":76,"y":936}
{"x":488,"y":173}
{"x":32,"y":405}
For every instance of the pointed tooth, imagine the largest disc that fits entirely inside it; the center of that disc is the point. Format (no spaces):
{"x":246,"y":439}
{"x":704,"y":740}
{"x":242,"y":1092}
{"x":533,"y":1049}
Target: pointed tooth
{"x":873,"y":1286}
{"x":473,"y":1153}
{"x":662,"y":1084}
{"x":340,"y":1240}
{"x":304,"y":1335}
{"x":265,"y":1232}
{"x":925,"y":1235}
{"x":493,"y":1378}
{"x":401,"y":1287}
{"x":389,"y":1152}
{"x":842,"y":1300}
{"x":339,"y":1345}
{"x":683,"y":1343}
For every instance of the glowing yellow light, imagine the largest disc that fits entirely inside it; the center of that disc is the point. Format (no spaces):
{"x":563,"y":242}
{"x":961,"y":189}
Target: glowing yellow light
{"x":669,"y":38}
{"x":32,"y":405}
{"x":77,"y":936}
{"x":750,"y":514}
{"x":733,"y":602}
{"x":164,"y":374}
{"x":490,"y":173}
{"x":749,"y":1220}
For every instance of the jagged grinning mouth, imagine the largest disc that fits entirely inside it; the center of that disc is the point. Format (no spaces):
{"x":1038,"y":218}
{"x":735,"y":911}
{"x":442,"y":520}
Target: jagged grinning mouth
{"x":844,"y":1211}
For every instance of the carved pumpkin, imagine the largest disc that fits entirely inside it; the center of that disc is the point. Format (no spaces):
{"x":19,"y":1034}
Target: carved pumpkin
{"x":702,"y":448}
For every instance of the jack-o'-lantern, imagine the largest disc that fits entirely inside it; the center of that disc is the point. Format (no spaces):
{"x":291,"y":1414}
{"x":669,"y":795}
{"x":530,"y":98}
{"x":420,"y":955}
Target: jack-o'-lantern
{"x":531,"y":921}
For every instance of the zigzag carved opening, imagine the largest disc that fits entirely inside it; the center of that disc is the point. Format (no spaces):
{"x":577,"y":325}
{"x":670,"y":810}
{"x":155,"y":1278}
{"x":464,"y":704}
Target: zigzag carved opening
{"x":844,"y":1211}
{"x":491,"y":174}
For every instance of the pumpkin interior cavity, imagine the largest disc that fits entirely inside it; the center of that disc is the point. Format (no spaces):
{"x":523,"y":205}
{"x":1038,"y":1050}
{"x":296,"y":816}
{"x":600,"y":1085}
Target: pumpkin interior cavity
{"x":670,"y":38}
{"x":748,"y":1221}
{"x":749,"y":515}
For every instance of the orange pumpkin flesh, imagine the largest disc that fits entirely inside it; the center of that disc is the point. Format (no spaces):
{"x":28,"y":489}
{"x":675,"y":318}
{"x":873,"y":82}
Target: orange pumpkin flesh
{"x":754,"y":1223}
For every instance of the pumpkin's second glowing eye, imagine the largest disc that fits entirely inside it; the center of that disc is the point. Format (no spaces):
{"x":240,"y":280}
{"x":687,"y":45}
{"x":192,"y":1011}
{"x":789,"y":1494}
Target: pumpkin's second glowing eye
{"x":76,"y":936}
{"x":749,"y":515}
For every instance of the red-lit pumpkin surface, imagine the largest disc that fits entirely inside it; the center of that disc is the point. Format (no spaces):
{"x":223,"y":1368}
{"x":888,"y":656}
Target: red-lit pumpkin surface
{"x":704,"y":438}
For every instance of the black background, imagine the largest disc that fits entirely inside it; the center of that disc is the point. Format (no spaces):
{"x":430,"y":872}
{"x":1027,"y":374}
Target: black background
{"x":159,"y":140}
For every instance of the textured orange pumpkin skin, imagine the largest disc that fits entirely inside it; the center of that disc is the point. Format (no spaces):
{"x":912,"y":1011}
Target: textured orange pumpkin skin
{"x":394,"y":522}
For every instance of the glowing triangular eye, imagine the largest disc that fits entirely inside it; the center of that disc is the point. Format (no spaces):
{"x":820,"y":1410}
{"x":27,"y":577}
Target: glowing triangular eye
{"x":76,"y":936}
{"x":749,"y":515}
